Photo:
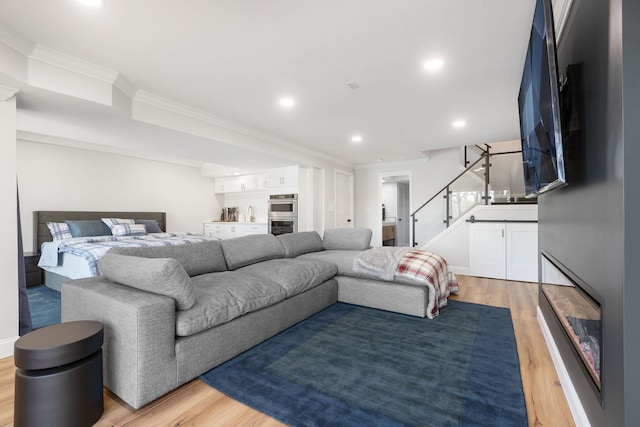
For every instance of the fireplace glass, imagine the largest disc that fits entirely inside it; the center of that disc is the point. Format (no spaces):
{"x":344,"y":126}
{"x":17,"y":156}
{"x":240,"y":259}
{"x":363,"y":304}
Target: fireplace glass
{"x":579,"y":314}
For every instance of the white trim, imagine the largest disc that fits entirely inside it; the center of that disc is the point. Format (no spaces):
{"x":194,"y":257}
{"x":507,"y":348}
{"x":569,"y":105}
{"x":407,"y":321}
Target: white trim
{"x":125,"y":86}
{"x":397,"y":164}
{"x":71,"y":63}
{"x":6,"y":92}
{"x":67,"y":142}
{"x":579,"y":416}
{"x":15,"y":40}
{"x":168,"y":105}
{"x":408,"y":174}
{"x":6,"y":346}
{"x":561,"y":10}
{"x":352,"y":207}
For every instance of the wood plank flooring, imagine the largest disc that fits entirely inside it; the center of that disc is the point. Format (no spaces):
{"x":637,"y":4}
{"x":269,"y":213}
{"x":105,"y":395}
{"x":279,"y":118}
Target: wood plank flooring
{"x":197,"y":404}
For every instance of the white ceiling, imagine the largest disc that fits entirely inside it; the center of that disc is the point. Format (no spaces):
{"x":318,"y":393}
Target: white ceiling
{"x":234,"y":59}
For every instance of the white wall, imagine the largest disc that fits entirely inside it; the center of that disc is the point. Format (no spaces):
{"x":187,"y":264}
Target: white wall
{"x":9,"y":218}
{"x":53,"y":177}
{"x":428,"y":175}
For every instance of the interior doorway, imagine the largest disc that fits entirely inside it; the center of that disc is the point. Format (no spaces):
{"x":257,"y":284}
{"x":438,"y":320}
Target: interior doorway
{"x":395,"y":202}
{"x":343,"y":199}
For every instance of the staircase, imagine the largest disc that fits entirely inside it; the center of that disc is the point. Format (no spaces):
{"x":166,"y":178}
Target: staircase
{"x":471,"y":188}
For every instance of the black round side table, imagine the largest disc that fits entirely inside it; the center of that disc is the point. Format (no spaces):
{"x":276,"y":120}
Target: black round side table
{"x":59,"y":375}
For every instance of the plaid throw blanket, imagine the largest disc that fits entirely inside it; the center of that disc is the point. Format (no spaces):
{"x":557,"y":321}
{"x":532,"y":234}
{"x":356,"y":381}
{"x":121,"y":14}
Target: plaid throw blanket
{"x":93,"y":248}
{"x":429,"y":269}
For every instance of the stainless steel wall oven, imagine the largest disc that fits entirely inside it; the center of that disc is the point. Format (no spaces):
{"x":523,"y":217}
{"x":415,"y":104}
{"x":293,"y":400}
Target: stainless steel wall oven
{"x":283,"y":213}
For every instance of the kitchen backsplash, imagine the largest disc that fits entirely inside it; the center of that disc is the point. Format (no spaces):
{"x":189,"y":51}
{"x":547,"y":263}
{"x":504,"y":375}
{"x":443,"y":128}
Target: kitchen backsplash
{"x":257,"y":201}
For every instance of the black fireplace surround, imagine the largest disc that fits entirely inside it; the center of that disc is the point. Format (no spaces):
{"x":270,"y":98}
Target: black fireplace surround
{"x":578,"y":310}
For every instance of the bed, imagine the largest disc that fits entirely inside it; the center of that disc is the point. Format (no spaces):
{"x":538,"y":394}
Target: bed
{"x":74,"y":258}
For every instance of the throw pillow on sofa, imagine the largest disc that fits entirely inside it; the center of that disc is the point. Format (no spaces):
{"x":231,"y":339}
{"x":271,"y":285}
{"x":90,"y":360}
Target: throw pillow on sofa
{"x":296,"y":244}
{"x":196,"y":258}
{"x":163,"y":276}
{"x":347,"y":239}
{"x":251,"y":249}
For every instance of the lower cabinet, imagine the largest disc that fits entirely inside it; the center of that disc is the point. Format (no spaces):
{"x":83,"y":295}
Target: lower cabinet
{"x":229,"y":230}
{"x":504,"y":250}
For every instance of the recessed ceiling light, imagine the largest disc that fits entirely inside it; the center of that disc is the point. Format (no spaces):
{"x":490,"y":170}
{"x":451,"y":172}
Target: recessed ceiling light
{"x":459,"y":124}
{"x":287,"y":102}
{"x":433,"y":64}
{"x":92,"y":3}
{"x":356,"y":138}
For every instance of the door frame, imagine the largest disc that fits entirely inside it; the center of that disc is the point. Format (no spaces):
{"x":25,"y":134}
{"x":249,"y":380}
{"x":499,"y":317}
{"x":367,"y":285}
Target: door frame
{"x":351,"y":203}
{"x":381,"y":175}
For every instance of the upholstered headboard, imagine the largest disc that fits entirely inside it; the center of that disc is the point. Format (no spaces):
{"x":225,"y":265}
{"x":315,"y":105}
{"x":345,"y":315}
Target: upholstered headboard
{"x":40,"y":218}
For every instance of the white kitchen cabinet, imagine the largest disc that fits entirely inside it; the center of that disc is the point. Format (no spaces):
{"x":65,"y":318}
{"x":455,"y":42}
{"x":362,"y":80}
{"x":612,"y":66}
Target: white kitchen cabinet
{"x":262,"y":181}
{"x":220,"y":230}
{"x":283,"y":177}
{"x":246,"y":229}
{"x":504,"y":250}
{"x":229,"y":230}
{"x":227,"y":184}
{"x":235,"y":184}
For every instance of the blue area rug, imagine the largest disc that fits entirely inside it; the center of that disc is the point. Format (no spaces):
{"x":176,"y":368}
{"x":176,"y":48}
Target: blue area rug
{"x":44,"y":304}
{"x":356,"y":366}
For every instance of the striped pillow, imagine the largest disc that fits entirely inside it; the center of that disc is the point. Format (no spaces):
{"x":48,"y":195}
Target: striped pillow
{"x":128,"y":230}
{"x":115,"y":221}
{"x":59,"y":230}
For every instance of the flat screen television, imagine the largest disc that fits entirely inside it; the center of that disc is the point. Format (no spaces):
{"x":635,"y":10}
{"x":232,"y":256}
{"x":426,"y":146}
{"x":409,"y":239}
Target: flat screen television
{"x":539,"y":106}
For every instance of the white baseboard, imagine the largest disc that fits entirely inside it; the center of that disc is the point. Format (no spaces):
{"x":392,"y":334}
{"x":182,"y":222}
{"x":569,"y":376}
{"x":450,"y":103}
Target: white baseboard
{"x":6,"y":347}
{"x":459,"y":270}
{"x":579,"y":416}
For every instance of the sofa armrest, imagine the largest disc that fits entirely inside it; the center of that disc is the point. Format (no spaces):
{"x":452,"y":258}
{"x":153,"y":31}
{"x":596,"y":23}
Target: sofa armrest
{"x":139,"y":335}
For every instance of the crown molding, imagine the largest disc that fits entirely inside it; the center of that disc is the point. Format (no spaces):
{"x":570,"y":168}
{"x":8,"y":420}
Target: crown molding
{"x":398,"y":164}
{"x":125,"y":86}
{"x":71,"y":63}
{"x":6,"y":93}
{"x":193,"y":113}
{"x":15,"y":40}
{"x":40,"y":138}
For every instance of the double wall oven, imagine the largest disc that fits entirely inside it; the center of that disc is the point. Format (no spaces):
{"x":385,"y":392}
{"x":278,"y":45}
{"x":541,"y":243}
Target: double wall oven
{"x":283,"y":213}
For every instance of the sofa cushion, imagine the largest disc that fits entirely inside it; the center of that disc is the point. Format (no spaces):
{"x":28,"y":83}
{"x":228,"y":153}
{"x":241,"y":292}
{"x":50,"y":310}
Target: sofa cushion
{"x":342,"y":259}
{"x":223,"y":297}
{"x":296,"y":244}
{"x":349,"y":239}
{"x":163,"y":276}
{"x":196,"y":258}
{"x":294,"y":275}
{"x":247,"y":250}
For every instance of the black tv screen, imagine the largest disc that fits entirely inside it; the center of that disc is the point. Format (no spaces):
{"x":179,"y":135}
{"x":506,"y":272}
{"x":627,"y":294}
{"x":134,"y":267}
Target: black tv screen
{"x":539,"y":105}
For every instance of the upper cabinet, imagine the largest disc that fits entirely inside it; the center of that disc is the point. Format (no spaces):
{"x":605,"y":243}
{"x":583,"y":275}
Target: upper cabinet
{"x":283,"y":177}
{"x":279,"y":178}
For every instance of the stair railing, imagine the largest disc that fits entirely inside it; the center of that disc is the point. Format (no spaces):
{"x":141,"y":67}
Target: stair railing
{"x":460,"y":195}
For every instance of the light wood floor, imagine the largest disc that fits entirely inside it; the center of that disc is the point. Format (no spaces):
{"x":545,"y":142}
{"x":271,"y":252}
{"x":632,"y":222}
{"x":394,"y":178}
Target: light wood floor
{"x":196,"y":404}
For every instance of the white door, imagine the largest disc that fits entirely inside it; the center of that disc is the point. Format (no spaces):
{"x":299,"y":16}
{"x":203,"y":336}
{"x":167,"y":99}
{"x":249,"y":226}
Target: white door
{"x":522,"y":252}
{"x":344,"y":200}
{"x":487,"y":250}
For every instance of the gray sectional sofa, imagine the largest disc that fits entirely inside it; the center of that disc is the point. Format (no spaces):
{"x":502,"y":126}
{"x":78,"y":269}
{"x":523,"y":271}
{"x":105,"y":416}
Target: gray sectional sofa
{"x":172,"y":313}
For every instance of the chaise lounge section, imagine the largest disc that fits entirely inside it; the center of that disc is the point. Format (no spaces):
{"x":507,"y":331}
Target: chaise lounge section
{"x":173,"y":313}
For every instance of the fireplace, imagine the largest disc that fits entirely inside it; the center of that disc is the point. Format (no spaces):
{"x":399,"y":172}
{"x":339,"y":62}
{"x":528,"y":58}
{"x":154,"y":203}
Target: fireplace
{"x":578,"y":310}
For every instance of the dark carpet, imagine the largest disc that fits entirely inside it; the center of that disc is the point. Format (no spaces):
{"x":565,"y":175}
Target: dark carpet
{"x":44,"y":304}
{"x":355,"y":366}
